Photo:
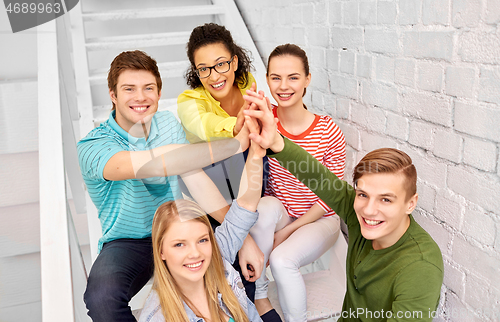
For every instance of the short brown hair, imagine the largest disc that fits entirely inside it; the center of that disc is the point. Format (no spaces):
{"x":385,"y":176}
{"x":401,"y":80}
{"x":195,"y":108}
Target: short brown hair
{"x":387,"y":160}
{"x":136,"y":60}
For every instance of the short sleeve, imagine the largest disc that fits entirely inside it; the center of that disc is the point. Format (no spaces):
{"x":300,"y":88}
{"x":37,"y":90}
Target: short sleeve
{"x":94,"y":151}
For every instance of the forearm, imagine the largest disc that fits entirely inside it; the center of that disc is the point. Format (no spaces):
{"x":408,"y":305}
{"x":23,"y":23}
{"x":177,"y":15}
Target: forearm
{"x":251,"y":182}
{"x":314,"y":213}
{"x":206,"y":194}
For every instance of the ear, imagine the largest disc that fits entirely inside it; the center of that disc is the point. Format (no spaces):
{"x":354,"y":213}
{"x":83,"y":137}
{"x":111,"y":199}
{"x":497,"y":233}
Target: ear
{"x":411,"y":204}
{"x":112,"y":95}
{"x":308,"y":80}
{"x":235,"y":63}
{"x":159,"y":95}
{"x":163,"y":256}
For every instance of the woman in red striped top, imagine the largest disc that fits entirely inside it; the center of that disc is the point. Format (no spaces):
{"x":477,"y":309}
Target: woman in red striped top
{"x":298,"y":227}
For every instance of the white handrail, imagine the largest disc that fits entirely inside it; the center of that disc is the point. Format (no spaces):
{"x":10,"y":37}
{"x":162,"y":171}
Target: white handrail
{"x":57,"y":295}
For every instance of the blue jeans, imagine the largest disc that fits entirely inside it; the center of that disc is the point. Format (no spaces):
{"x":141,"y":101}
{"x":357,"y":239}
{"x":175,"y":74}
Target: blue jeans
{"x":121,"y":269}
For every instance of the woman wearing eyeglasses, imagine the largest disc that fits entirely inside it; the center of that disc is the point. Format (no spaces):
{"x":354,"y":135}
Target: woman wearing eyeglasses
{"x":219,"y":76}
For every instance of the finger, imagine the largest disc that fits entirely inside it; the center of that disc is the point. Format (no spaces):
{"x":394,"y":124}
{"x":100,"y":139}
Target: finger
{"x":253,"y":94}
{"x":258,"y":114}
{"x":252,"y":126}
{"x":269,"y":105}
{"x":244,"y":272}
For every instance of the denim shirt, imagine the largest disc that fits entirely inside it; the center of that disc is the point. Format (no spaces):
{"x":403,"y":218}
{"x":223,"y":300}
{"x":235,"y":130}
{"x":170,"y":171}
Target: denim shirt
{"x":229,"y":235}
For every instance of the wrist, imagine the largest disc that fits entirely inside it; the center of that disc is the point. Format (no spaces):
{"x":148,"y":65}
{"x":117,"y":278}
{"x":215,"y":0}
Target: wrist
{"x":278,"y":145}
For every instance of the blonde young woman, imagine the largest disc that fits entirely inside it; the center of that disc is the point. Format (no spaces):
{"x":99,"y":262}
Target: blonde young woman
{"x":193,"y":277}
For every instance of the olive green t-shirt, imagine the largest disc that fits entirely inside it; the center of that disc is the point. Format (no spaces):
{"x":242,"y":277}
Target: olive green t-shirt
{"x":398,"y":283}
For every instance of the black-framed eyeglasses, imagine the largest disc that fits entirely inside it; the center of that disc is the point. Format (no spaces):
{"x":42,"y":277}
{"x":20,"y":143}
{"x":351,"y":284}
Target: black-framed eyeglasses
{"x":221,"y":67}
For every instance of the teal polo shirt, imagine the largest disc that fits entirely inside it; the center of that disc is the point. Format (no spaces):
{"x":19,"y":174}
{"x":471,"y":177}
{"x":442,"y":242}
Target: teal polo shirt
{"x":126,"y":208}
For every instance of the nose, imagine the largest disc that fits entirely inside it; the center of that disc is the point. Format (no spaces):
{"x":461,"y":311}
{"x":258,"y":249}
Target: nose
{"x":370,"y":208}
{"x":283,"y":84}
{"x":193,"y":251}
{"x":139,"y":96}
{"x":214,"y":75}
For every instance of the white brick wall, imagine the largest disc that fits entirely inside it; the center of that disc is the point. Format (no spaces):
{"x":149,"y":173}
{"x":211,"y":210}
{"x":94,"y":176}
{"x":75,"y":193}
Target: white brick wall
{"x":422,"y":76}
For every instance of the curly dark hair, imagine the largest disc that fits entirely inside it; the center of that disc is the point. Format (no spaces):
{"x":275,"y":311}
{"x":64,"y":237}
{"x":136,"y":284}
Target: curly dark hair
{"x":211,"y":33}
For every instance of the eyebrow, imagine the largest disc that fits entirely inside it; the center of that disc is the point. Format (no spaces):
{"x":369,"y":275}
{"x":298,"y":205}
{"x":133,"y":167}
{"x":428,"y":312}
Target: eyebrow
{"x":203,"y":64}
{"x":294,"y":74}
{"x":388,"y":194}
{"x":133,"y":85}
{"x":183,"y":240}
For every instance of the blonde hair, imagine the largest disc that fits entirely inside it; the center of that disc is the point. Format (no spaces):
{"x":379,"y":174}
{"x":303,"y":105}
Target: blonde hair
{"x":171,"y":298}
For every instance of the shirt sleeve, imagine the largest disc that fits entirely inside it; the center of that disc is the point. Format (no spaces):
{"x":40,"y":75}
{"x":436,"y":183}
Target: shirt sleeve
{"x":337,"y":194}
{"x":94,"y":151}
{"x":197,"y":116}
{"x":335,"y":155}
{"x":416,"y":298}
{"x":151,"y":311}
{"x":233,"y":230}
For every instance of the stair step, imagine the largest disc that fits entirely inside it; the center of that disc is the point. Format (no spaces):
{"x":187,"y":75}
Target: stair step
{"x":167,"y":70}
{"x":138,"y":41}
{"x":101,"y":112}
{"x":154,"y":13}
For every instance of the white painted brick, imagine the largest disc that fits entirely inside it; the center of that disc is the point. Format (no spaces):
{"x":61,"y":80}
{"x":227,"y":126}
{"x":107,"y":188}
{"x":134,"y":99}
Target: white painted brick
{"x":435,"y":12}
{"x":478,"y":121}
{"x":334,"y":13}
{"x":480,"y":188}
{"x":409,"y":11}
{"x":397,"y":126}
{"x":332,"y":60}
{"x":430,"y":77}
{"x":448,"y":145}
{"x":422,"y":134}
{"x":449,"y":209}
{"x":282,"y":17}
{"x":318,"y":36}
{"x":382,"y":41}
{"x":319,"y":79}
{"x":371,"y":118}
{"x":426,"y":196}
{"x":285,"y":35}
{"x":493,"y":11}
{"x":475,"y":294}
{"x":479,"y":47}
{"x":457,"y":311}
{"x":378,"y":94}
{"x":349,"y":38}
{"x":367,"y":13}
{"x":317,"y":57}
{"x":465,"y":13}
{"x":351,"y":13}
{"x":432,"y":108}
{"x":351,"y":134}
{"x":330,"y":105}
{"x":363,"y":65}
{"x":478,"y":225}
{"x":489,"y":85}
{"x":386,"y":12}
{"x":430,"y":170}
{"x":318,"y":102}
{"x":475,"y":259}
{"x":480,"y":154}
{"x":385,"y":69}
{"x":299,"y":36}
{"x":370,"y":141}
{"x":307,"y":14}
{"x":343,"y":108}
{"x":347,"y":62}
{"x":460,"y":81}
{"x":344,"y":86}
{"x":296,"y":14}
{"x":497,"y":239}
{"x":319,"y":13}
{"x":440,"y":235}
{"x":404,"y":72}
{"x":428,"y":44}
{"x":454,"y":279}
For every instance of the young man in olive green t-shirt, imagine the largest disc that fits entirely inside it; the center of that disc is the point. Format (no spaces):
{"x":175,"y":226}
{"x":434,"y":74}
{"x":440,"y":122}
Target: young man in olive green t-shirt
{"x":394,"y":268}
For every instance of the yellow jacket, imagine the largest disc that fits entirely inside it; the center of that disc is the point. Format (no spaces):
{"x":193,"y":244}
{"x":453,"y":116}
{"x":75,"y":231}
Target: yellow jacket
{"x":202,"y":115}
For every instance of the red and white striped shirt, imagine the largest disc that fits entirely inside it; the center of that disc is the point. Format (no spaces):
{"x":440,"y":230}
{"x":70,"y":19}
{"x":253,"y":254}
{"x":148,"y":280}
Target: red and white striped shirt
{"x":324,"y":141}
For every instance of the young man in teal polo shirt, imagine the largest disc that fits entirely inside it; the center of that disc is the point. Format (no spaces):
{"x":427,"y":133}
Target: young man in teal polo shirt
{"x":394,"y":268}
{"x":130,"y":165}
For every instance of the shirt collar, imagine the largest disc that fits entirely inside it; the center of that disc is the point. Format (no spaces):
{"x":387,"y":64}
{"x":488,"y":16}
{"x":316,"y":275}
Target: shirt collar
{"x":153,"y":131}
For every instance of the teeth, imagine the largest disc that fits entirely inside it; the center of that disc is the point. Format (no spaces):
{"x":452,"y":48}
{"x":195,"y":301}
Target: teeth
{"x":218,"y":85}
{"x":284,"y":95}
{"x":372,"y":222}
{"x":194,"y":265}
{"x":140,"y":109}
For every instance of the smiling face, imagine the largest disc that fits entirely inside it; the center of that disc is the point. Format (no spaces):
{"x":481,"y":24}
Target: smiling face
{"x":187,"y":251}
{"x":219,"y":85}
{"x":287,"y":80}
{"x":136,"y":98}
{"x":382,"y":208}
